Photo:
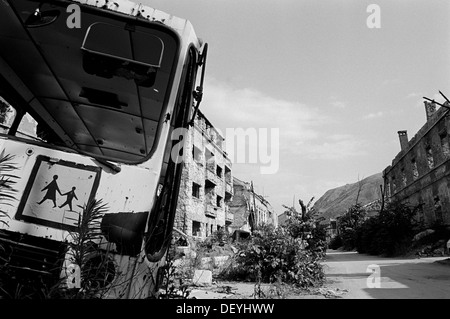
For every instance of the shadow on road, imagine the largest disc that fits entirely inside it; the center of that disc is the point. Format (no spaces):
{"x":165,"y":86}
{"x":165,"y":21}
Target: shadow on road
{"x":413,"y":281}
{"x":393,"y":278}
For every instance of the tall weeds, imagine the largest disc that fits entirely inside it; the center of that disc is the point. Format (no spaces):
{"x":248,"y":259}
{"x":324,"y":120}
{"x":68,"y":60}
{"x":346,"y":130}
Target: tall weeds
{"x":7,"y":181}
{"x":85,"y":252}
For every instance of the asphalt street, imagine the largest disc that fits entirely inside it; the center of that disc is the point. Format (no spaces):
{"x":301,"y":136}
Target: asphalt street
{"x":372,"y":277}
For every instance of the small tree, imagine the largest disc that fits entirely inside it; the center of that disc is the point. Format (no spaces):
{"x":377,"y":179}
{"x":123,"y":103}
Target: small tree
{"x":290,"y":253}
{"x":348,"y":225}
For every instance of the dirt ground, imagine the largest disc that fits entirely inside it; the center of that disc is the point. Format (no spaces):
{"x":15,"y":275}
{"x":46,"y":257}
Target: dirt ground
{"x":248,"y":290}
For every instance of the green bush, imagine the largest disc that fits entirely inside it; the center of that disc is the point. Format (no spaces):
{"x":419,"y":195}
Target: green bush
{"x":389,"y":233}
{"x":335,"y":242}
{"x":348,"y":225}
{"x":290,"y":253}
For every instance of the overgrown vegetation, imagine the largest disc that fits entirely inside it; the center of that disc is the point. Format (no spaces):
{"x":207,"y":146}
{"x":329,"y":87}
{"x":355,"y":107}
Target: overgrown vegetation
{"x":4,"y":110}
{"x":7,"y":181}
{"x":175,"y":282}
{"x":178,"y":270}
{"x":290,"y":253}
{"x":389,"y":233}
{"x":96,"y":269}
{"x":93,"y":270}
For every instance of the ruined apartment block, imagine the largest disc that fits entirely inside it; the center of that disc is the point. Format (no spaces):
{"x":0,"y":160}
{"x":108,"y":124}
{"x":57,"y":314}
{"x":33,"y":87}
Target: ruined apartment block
{"x":419,"y":174}
{"x":206,"y":182}
{"x":250,"y":210}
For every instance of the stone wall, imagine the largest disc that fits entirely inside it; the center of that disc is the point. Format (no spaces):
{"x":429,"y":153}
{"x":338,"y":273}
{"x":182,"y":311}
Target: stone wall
{"x":420,"y":173}
{"x":203,"y":210}
{"x":246,"y":203}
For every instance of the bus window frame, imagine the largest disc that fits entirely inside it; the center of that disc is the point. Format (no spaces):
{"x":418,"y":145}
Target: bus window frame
{"x":165,"y":107}
{"x":165,"y":208}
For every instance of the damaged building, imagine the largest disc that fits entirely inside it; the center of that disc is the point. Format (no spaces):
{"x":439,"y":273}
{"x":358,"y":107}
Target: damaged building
{"x":206,"y":182}
{"x":249,"y":209}
{"x":420,"y":173}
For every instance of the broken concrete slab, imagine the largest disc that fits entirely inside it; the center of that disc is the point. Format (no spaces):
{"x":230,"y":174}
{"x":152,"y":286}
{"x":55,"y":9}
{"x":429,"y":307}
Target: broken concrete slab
{"x":202,"y":277}
{"x":213,"y":262}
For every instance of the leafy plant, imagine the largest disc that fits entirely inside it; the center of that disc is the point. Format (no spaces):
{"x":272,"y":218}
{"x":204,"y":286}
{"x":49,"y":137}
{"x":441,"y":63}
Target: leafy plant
{"x":335,"y":242}
{"x":7,"y":181}
{"x":390,"y":232}
{"x":290,"y":253}
{"x":95,"y":266}
{"x":348,"y":225}
{"x":4,"y":110}
{"x":174,"y":285}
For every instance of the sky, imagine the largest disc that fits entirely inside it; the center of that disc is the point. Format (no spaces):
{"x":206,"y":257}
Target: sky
{"x":336,"y":90}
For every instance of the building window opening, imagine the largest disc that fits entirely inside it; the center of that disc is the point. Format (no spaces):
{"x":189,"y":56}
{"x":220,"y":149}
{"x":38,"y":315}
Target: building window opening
{"x":196,"y":190}
{"x":430,"y":159}
{"x":219,"y":201}
{"x":210,"y":162}
{"x":196,"y":154}
{"x":219,"y":171}
{"x":415,"y":171}
{"x":209,"y":192}
{"x":420,"y":213}
{"x":227,"y":175}
{"x":445,"y":146}
{"x":438,"y":209}
{"x":403,"y":177}
{"x":196,"y":228}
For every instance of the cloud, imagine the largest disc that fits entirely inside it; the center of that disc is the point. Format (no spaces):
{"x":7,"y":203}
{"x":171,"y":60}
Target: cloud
{"x":391,"y":82}
{"x":336,"y":147}
{"x":414,"y":95}
{"x":337,"y":103}
{"x":301,"y":126}
{"x":373,"y":115}
{"x":229,"y":107}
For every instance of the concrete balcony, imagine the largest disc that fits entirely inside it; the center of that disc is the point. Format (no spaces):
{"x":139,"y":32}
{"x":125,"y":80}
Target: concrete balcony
{"x":212,"y":177}
{"x":229,"y":217}
{"x":211,"y":210}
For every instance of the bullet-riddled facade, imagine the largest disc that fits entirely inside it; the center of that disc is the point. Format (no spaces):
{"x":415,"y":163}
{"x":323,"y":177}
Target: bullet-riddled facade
{"x":250,"y":210}
{"x":420,"y":173}
{"x":206,"y":183}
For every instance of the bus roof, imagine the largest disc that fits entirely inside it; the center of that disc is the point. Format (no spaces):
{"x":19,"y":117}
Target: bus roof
{"x":140,"y":11}
{"x":102,"y":86}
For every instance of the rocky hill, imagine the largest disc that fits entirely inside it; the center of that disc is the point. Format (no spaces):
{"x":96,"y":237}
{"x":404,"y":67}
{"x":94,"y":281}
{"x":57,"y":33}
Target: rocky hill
{"x":338,"y":200}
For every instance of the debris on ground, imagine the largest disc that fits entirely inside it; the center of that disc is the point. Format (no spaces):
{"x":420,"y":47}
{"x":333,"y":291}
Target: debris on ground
{"x":202,"y":277}
{"x":332,"y":293}
{"x":226,"y":290}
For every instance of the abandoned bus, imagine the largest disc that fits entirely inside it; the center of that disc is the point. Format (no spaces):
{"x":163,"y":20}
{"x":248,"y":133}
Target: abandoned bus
{"x":90,"y":94}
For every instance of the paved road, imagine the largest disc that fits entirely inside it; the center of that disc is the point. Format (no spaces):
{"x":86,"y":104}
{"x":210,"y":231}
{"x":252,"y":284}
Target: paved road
{"x":406,"y":278}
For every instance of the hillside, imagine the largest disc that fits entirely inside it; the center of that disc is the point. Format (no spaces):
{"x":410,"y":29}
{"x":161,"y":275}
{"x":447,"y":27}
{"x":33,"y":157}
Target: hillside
{"x":336,"y":201}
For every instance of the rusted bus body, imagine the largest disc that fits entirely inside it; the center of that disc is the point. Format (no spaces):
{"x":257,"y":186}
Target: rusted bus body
{"x":89,"y":112}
